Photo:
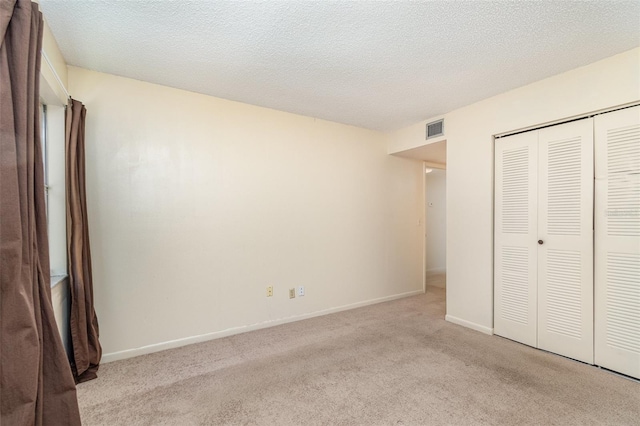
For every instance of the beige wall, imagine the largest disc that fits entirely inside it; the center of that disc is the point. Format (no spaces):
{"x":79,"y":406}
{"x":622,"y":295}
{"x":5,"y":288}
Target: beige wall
{"x":197,"y":204}
{"x":469,"y":132}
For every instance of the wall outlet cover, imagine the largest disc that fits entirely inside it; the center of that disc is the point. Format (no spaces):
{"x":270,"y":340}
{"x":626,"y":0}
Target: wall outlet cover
{"x":301,"y":290}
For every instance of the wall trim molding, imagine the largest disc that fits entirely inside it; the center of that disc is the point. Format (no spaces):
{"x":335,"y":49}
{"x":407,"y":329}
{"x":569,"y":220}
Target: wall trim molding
{"x":157,"y":347}
{"x":469,"y":324}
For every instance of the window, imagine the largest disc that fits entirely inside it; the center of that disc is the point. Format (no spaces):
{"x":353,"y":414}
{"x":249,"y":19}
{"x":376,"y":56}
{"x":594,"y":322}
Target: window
{"x":52,"y":138}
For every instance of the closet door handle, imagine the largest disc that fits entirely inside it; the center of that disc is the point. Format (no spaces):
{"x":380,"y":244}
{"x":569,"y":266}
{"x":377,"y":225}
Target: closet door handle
{"x":540,"y":242}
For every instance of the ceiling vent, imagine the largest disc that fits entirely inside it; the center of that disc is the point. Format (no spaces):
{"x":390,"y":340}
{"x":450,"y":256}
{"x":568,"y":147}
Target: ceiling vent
{"x":435,"y":129}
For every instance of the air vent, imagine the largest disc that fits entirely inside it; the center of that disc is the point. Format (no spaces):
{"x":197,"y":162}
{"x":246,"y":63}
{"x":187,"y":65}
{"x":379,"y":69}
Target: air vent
{"x":435,"y":129}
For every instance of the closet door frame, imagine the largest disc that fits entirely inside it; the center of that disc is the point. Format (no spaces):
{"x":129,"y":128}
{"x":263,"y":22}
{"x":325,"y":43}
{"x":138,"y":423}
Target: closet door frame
{"x":624,"y":355}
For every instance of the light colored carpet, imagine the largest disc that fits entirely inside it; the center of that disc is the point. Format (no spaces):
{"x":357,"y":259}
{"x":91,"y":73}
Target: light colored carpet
{"x":396,"y":363}
{"x":436,"y":280}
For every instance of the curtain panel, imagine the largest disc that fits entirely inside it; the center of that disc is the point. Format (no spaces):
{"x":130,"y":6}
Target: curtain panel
{"x":83,"y":320}
{"x":36,"y":383}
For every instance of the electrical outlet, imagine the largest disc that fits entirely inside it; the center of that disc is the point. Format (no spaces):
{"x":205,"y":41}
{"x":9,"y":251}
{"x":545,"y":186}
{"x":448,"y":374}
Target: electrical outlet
{"x":270,"y":291}
{"x":301,"y":290}
{"x":292,"y":293}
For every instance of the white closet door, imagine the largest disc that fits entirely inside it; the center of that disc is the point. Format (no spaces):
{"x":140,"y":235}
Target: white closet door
{"x":515,"y":269}
{"x":617,"y":241}
{"x":565,"y":246}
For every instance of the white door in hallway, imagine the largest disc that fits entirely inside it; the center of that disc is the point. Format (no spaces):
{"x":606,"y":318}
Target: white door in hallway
{"x":515,"y":246}
{"x":617,"y":241}
{"x":565,"y":239}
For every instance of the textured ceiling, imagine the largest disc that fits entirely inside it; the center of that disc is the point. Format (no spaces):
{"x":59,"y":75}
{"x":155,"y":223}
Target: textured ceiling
{"x":379,"y":65}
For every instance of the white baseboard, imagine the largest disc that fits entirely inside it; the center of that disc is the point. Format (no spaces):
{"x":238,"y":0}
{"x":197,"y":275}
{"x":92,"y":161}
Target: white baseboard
{"x":130,"y":353}
{"x":469,"y":324}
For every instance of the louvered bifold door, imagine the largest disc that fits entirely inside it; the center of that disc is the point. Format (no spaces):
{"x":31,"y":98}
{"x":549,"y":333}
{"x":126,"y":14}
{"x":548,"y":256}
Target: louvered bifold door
{"x":617,"y":241}
{"x":515,"y":268}
{"x":565,"y":234}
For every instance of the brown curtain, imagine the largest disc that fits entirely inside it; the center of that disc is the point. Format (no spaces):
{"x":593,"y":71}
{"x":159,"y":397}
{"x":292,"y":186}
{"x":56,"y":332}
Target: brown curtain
{"x":36,"y":384}
{"x":83,"y":320}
